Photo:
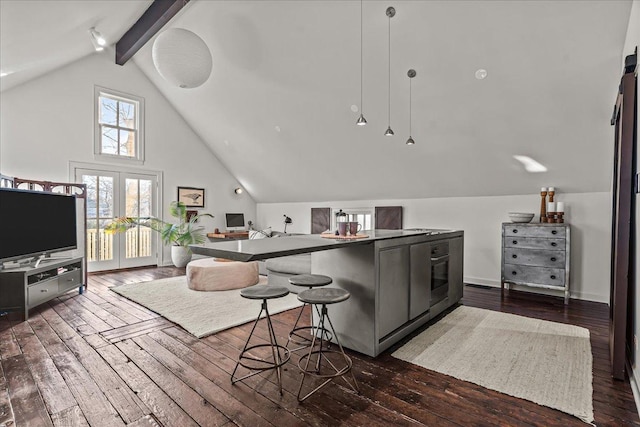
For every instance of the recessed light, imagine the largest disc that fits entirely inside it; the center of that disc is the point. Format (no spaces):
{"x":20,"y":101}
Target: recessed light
{"x":481,"y":74}
{"x":354,"y":108}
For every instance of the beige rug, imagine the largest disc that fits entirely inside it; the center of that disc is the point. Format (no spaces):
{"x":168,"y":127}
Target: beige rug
{"x":200,"y":313}
{"x":545,"y":362}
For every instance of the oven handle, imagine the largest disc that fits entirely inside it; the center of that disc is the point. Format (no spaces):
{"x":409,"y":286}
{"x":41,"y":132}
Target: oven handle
{"x":440,"y":258}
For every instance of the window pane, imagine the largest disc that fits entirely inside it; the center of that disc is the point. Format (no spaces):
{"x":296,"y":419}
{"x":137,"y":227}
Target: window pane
{"x":145,"y":197}
{"x":127,"y":143}
{"x":109,"y":142}
{"x":127,"y":115}
{"x":108,"y":111}
{"x":131,"y":197}
{"x":92,"y":207}
{"x":105,"y":197}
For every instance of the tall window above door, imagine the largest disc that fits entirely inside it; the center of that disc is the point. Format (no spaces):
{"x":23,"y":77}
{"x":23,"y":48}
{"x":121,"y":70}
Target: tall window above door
{"x":119,"y":126}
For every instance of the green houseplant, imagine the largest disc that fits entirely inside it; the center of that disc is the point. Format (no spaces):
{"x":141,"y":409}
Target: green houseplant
{"x":179,"y":235}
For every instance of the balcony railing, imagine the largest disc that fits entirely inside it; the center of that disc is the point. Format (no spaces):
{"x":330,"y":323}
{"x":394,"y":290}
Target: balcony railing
{"x":138,"y":243}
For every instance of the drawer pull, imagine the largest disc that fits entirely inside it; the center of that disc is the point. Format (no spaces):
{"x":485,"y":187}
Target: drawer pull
{"x":44,"y":290}
{"x":553,"y":277}
{"x":515,"y":242}
{"x":515,"y":231}
{"x":554,"y":244}
{"x":514,"y":273}
{"x":554,"y":231}
{"x":514,"y":256}
{"x":553,"y":258}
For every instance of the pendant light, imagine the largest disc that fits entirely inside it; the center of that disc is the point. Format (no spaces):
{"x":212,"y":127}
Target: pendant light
{"x":361,"y":120}
{"x":391,"y":12}
{"x":411,"y":73}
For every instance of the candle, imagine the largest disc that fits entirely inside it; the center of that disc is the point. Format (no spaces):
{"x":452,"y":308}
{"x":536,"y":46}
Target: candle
{"x":543,"y":189}
{"x":559,"y":206}
{"x":552,"y":189}
{"x":551,"y":207}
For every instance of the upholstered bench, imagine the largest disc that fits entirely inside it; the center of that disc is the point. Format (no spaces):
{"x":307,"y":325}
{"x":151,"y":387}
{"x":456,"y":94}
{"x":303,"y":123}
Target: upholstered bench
{"x":208,"y":274}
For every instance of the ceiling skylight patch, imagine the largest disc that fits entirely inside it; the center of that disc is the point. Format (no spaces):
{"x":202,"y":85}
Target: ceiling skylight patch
{"x":530,"y":165}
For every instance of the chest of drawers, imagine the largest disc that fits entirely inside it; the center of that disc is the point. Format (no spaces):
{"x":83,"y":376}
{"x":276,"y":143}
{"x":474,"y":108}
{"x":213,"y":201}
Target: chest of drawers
{"x":536,"y":255}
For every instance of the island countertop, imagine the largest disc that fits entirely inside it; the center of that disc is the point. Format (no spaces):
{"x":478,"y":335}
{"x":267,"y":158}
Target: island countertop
{"x":259,"y":249}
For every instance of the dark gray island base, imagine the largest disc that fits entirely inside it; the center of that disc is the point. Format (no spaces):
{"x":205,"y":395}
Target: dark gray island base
{"x":398,"y":279}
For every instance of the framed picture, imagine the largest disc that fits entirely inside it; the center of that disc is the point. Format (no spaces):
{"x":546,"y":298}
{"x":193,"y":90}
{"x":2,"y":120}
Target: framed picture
{"x":191,"y":197}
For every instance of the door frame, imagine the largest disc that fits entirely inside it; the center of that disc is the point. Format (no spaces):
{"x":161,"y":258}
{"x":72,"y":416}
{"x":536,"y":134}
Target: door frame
{"x":73,"y":165}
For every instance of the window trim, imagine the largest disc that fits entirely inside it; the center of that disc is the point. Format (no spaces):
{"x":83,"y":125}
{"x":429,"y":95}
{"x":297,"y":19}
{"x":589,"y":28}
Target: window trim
{"x":97,"y":142}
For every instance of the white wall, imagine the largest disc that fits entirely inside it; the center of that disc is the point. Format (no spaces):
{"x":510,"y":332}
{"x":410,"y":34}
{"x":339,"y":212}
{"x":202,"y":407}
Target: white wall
{"x":481,"y":218}
{"x":48,"y":122}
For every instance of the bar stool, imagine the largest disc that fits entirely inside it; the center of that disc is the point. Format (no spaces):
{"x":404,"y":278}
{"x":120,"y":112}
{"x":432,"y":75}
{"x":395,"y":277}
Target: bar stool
{"x":253,"y":362}
{"x":310,"y":281}
{"x":324,"y":297}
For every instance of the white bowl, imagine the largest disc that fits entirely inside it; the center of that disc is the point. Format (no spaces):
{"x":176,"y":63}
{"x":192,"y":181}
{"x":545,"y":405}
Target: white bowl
{"x":522,"y":217}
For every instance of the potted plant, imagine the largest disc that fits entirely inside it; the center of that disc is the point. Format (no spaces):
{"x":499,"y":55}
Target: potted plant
{"x":180,"y":235}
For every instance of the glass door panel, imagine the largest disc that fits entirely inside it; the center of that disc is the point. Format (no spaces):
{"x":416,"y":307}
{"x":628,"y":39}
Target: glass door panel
{"x":139,"y":241}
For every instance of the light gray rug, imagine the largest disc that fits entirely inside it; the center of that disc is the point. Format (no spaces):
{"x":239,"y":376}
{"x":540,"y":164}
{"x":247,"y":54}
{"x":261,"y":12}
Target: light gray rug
{"x":200,"y":313}
{"x":545,"y":362}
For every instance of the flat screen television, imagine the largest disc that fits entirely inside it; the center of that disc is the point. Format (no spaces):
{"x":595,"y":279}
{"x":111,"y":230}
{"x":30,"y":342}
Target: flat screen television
{"x":36,"y":224}
{"x":235,"y":221}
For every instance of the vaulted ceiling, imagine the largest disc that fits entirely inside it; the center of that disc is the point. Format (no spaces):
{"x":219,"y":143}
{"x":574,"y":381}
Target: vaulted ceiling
{"x":278,"y":107}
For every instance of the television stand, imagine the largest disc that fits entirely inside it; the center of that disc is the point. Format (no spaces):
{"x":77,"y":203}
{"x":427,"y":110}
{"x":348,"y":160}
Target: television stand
{"x":24,"y":288}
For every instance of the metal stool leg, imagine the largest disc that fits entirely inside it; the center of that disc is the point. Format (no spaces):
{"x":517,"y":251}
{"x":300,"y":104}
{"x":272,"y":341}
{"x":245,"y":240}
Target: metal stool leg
{"x":321,"y":355}
{"x":278,"y":358}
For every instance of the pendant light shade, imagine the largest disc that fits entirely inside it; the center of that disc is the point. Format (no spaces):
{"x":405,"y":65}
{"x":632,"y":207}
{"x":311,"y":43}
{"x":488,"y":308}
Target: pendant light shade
{"x":411,"y":73}
{"x":182,"y":58}
{"x":361,"y":120}
{"x":391,"y":12}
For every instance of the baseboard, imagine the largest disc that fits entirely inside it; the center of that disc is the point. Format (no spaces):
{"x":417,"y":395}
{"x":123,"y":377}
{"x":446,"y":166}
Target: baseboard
{"x":634,"y":387}
{"x":574,"y":294}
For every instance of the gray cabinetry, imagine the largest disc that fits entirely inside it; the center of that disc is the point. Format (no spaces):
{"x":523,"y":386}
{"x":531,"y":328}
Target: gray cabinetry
{"x":536,"y":255}
{"x":419,"y":280}
{"x":394,"y":274}
{"x":24,"y":288}
{"x":456,"y":248}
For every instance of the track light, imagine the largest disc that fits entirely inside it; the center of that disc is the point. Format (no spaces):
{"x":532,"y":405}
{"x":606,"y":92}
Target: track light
{"x":238,"y":190}
{"x":97,"y":40}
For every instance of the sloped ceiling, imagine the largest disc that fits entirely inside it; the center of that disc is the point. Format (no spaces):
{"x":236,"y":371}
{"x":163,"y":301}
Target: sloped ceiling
{"x":277,"y":109}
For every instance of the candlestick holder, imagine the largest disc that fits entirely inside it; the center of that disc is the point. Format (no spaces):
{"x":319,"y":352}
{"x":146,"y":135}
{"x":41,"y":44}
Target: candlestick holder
{"x":551,"y":217}
{"x":559,"y":218}
{"x":551,"y":194}
{"x":543,"y":206}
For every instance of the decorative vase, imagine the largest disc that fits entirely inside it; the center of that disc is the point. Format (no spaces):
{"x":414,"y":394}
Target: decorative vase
{"x":180,"y":255}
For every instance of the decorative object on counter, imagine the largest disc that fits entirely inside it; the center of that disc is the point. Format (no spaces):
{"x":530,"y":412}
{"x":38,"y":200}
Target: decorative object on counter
{"x":411,"y":73}
{"x":391,"y":12}
{"x":343,"y":226}
{"x":543,"y":204}
{"x":354,"y":227}
{"x":340,"y":237}
{"x":551,"y":192}
{"x":559,"y":212}
{"x":551,"y":212}
{"x":287,"y":221}
{"x":341,"y":217}
{"x":522,"y":217}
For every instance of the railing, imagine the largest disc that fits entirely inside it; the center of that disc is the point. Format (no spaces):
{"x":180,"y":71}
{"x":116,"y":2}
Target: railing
{"x":138,"y":244}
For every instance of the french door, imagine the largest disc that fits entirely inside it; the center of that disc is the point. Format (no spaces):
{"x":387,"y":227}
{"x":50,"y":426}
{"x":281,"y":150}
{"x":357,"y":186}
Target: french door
{"x":112,"y":194}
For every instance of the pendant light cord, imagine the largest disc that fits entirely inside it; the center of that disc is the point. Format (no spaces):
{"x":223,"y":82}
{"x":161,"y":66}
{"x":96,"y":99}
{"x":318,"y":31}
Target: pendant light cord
{"x":361,"y":109}
{"x":389,"y":72}
{"x":409,"y":106}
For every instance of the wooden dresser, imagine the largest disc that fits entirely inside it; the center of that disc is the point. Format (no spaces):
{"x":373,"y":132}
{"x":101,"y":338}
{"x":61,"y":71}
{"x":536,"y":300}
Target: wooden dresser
{"x":537,"y":255}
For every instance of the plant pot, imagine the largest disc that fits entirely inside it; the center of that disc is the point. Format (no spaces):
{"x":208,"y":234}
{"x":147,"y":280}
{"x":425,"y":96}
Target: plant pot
{"x":180,"y":255}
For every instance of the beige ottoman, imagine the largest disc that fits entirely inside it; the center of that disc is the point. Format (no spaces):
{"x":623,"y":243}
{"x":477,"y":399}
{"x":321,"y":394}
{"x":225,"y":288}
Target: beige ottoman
{"x":210,"y":275}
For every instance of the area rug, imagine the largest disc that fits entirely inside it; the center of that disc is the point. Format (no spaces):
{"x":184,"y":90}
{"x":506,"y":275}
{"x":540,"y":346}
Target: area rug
{"x":200,"y":313}
{"x":545,"y":362}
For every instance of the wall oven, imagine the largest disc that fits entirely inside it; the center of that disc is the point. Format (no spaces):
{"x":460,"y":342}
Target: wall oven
{"x":439,"y":272}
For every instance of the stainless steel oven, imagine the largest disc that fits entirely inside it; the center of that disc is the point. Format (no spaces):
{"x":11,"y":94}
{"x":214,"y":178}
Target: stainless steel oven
{"x":439,"y":272}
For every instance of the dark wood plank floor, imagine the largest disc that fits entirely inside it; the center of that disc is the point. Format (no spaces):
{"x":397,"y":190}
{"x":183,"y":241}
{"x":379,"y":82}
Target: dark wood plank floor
{"x":101,"y":360}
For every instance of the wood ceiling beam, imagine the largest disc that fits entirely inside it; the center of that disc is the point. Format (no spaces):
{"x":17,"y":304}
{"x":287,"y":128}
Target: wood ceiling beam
{"x":152,"y":20}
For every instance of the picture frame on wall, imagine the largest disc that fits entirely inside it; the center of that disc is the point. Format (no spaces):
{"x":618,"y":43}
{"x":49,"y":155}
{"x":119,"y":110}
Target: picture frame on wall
{"x":191,"y":197}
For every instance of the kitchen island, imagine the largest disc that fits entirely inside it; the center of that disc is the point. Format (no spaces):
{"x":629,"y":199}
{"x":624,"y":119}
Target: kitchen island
{"x":398,"y":279}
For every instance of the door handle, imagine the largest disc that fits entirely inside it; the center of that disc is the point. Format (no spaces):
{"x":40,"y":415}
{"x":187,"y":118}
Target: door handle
{"x":440,"y":258}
